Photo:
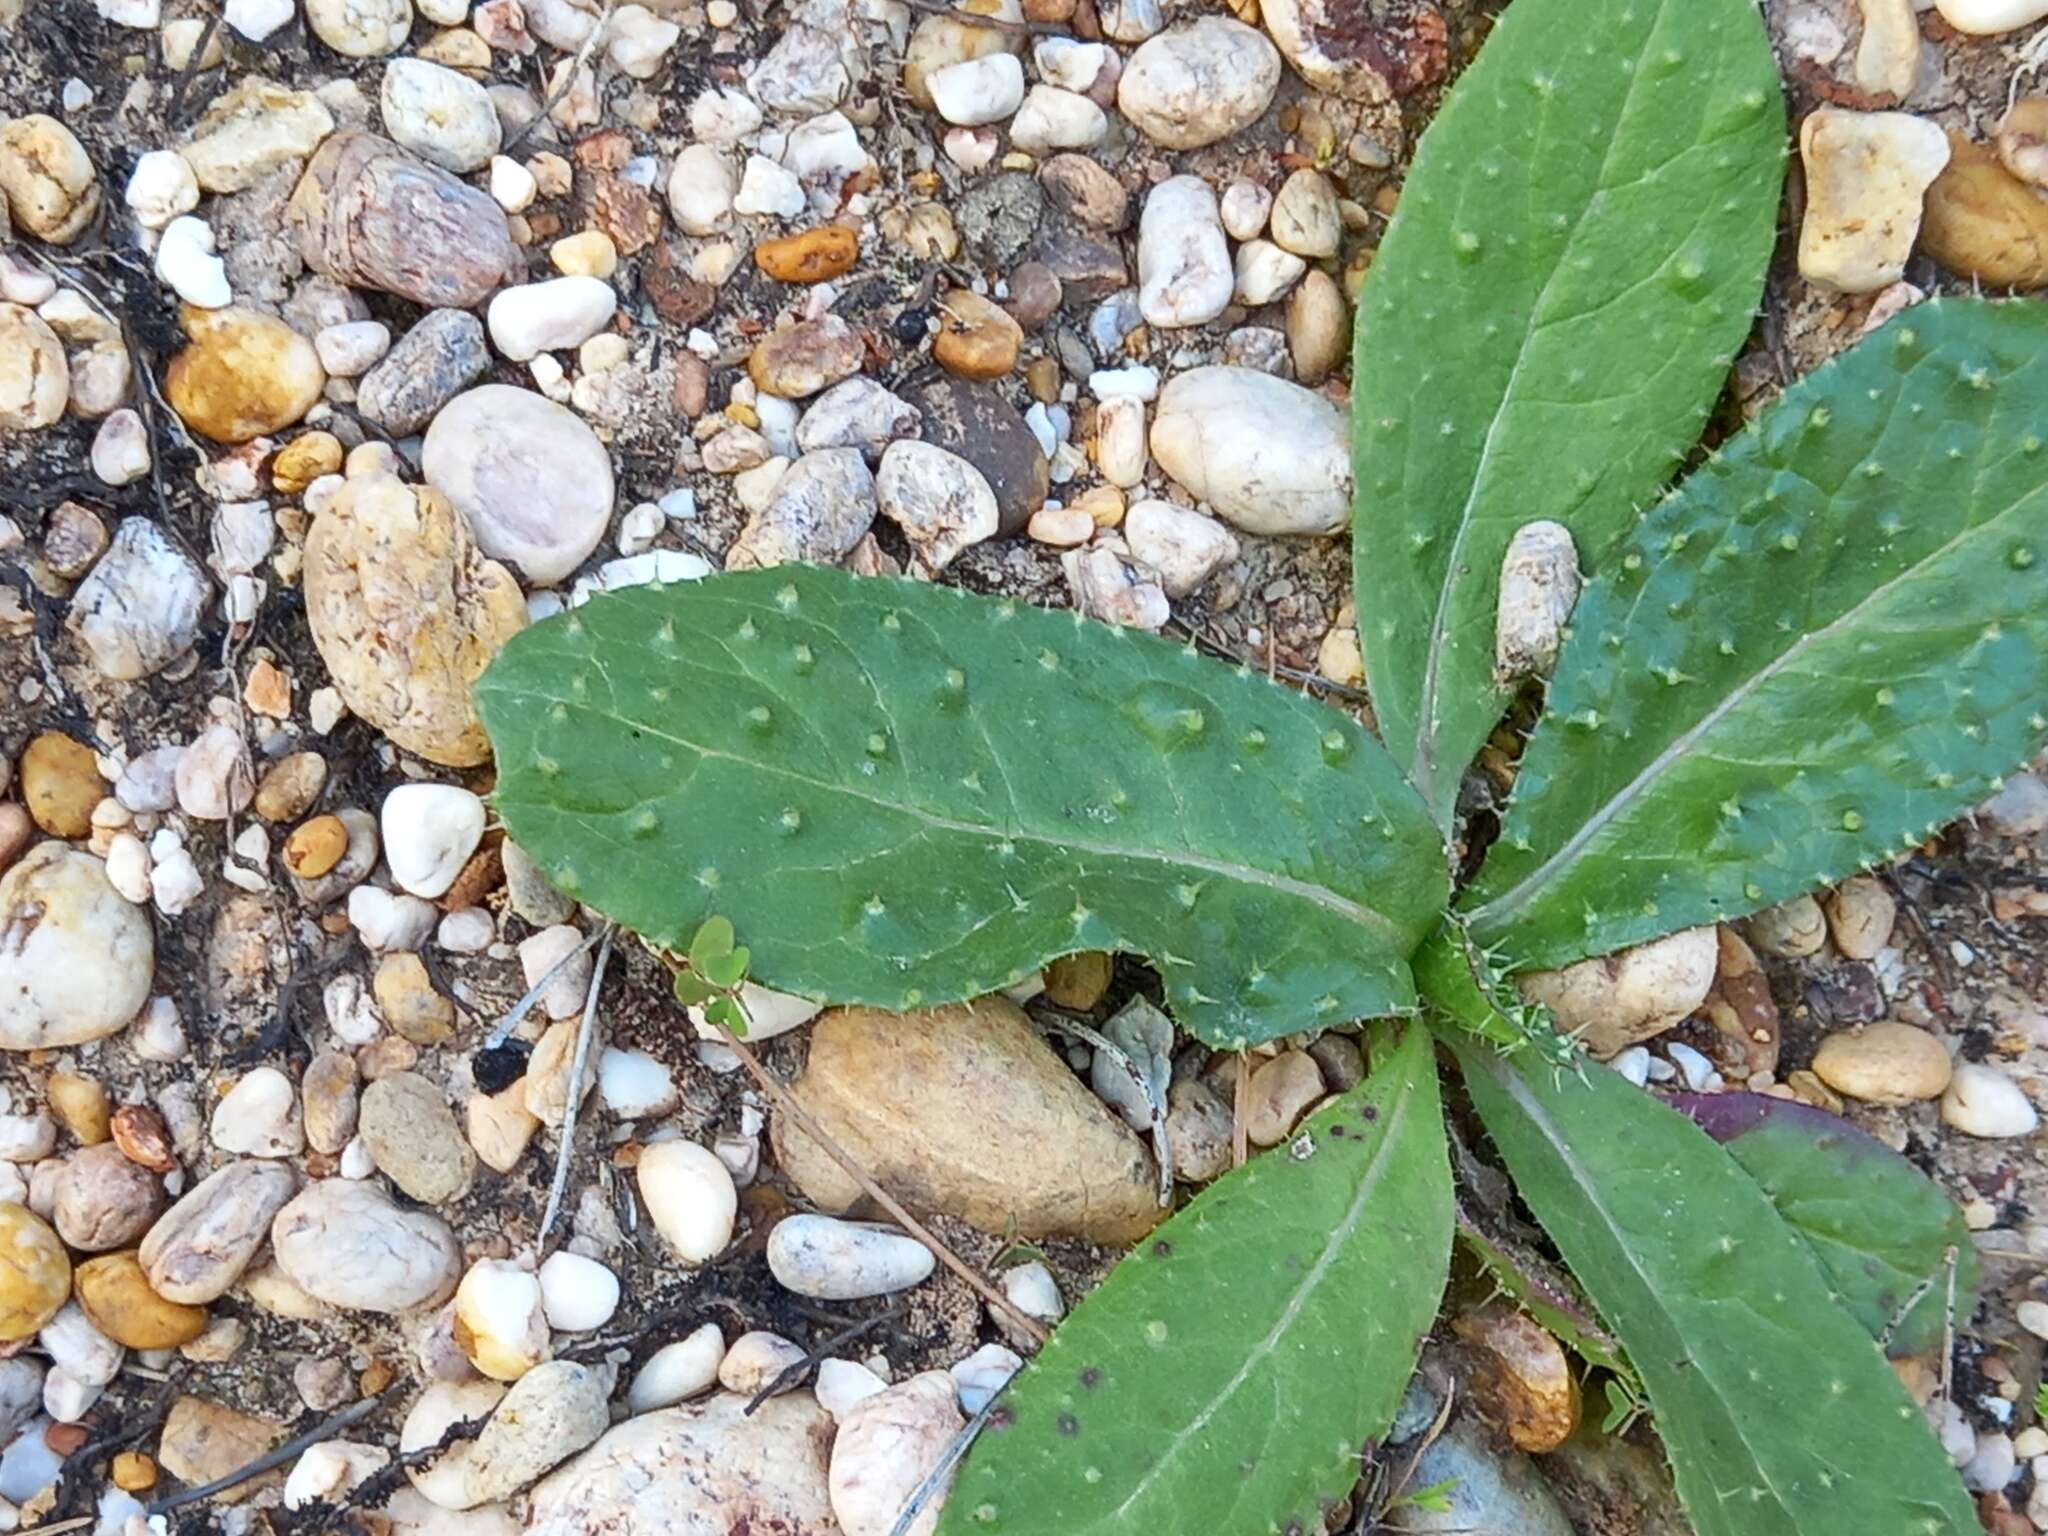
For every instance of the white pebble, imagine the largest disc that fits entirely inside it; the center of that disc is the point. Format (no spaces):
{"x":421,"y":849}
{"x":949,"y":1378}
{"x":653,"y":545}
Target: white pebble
{"x":384,"y":921}
{"x":982,"y":1375}
{"x":513,"y":187}
{"x":430,"y":830}
{"x":1033,"y":1291}
{"x":27,"y":1138}
{"x":978,"y":91}
{"x":257,"y":19}
{"x":766,"y":188}
{"x":158,"y":1036}
{"x":541,"y":953}
{"x":468,"y":931}
{"x":833,"y":1260}
{"x":678,"y":1371}
{"x":212,"y":775}
{"x":128,"y":866}
{"x":1633,"y":1064}
{"x":1698,"y":1072}
{"x":701,"y":188}
{"x":1980,"y":1100}
{"x":842,"y":1383}
{"x":120,"y":449}
{"x":578,"y":1294}
{"x":440,"y":115}
{"x":185,"y":261}
{"x":174,"y":880}
{"x":160,"y":188}
{"x":351,"y":348}
{"x":755,"y":1360}
{"x":690,"y":1197}
{"x":258,"y":1117}
{"x":1983,"y":18}
{"x":1184,"y":270}
{"x":633,"y":1085}
{"x":499,"y":1320}
{"x":549,"y":316}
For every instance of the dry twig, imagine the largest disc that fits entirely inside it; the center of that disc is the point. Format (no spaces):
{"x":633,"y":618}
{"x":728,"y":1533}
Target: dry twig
{"x":565,"y":1153}
{"x":935,"y":1479}
{"x":579,"y":62}
{"x":326,"y":1429}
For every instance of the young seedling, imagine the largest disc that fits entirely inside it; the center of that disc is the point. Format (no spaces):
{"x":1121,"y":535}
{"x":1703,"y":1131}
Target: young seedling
{"x":1829,"y":639}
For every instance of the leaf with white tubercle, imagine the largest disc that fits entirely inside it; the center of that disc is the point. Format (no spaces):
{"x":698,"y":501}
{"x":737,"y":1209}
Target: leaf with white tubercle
{"x":1828,"y":642}
{"x":1575,"y":259}
{"x":902,"y":795}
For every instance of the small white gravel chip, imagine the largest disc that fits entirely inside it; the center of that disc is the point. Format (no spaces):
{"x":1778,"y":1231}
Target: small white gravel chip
{"x":833,"y":1260}
{"x":578,"y":1294}
{"x":690,"y":1197}
{"x":981,"y":1375}
{"x":258,"y":1117}
{"x":755,"y":1360}
{"x":187,"y":265}
{"x":1980,"y":1100}
{"x":634,"y":1085}
{"x":842,"y":1383}
{"x":678,"y":1371}
{"x":430,"y":830}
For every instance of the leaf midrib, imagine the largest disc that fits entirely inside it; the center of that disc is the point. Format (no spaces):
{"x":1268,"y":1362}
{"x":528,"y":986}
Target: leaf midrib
{"x":1356,"y":913}
{"x":1395,"y":1117}
{"x":1427,"y":728}
{"x":1582,"y":1181}
{"x":1492,"y":914}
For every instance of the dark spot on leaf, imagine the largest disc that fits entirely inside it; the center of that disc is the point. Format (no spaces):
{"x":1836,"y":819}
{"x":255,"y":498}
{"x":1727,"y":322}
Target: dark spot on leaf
{"x":1247,"y":1467}
{"x":1091,"y":1375}
{"x":1337,"y":1130}
{"x":1068,"y":1425}
{"x":1369,"y":1113}
{"x":1162,"y":1249}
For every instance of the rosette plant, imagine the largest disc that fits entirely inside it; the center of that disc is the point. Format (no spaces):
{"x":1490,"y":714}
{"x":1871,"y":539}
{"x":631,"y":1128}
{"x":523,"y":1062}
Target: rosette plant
{"x":1826,"y":639}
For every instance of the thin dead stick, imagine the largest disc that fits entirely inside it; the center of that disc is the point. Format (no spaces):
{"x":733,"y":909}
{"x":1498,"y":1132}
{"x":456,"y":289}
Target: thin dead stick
{"x":75,"y":1523}
{"x":577,"y":64}
{"x":950,"y":1458}
{"x":1948,"y":1326}
{"x":579,"y":1064}
{"x":535,"y":992}
{"x":1240,"y":1113}
{"x":1155,"y":1103}
{"x":786,"y":1102}
{"x":794,"y":1372}
{"x":326,"y":1429}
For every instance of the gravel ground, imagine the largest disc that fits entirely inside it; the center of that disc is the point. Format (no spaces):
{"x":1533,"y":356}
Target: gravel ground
{"x":255,"y":970}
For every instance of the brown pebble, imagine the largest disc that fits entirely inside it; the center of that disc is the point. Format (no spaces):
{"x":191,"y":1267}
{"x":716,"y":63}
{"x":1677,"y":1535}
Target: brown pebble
{"x":143,"y":1137}
{"x":678,"y":297}
{"x":268,"y":691}
{"x":976,"y":340}
{"x":1042,"y":378}
{"x":407,"y":999}
{"x":133,"y":1472}
{"x":61,"y":783}
{"x":316,"y":847}
{"x":290,"y":786}
{"x":74,"y":538}
{"x":1078,"y":187}
{"x":244,"y":375}
{"x":1034,"y":294}
{"x":1079,"y":981}
{"x":377,"y":1375}
{"x":381,"y":1058}
{"x":63,"y":1439}
{"x":810,"y":256}
{"x":483,"y":874}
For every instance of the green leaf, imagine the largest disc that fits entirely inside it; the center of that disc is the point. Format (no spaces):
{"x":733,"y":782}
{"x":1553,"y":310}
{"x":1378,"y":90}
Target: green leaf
{"x":1576,"y":256}
{"x":1884,"y":1232}
{"x":1828,"y":643}
{"x":1780,"y":1415}
{"x":726,"y":1011}
{"x":1232,"y":1370}
{"x":692,"y":989}
{"x":713,"y":939}
{"x":904,"y":795}
{"x":727,"y":971}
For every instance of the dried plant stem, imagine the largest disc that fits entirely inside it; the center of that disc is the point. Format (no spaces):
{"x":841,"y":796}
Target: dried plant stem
{"x":948,"y":1459}
{"x":326,"y":1429}
{"x":565,"y":1152}
{"x":785,"y":1101}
